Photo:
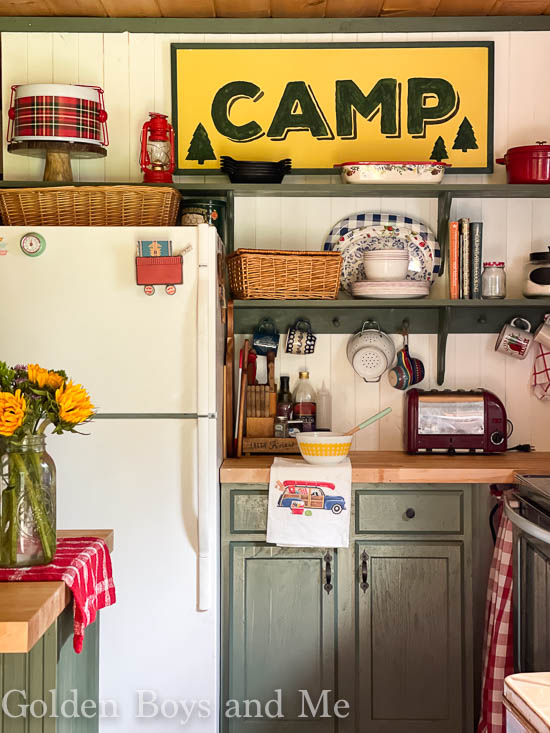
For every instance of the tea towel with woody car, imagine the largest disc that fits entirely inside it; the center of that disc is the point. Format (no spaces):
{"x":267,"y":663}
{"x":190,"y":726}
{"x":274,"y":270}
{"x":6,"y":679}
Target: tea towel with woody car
{"x":309,"y":506}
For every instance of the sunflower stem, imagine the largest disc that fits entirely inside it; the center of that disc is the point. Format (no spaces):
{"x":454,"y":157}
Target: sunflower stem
{"x":45,"y":530}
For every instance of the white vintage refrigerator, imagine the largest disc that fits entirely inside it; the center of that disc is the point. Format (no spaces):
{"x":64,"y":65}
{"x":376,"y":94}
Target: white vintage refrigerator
{"x":149,"y":465}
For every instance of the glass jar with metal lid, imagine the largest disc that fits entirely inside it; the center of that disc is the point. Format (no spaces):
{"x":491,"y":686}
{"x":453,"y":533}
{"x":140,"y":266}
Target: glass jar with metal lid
{"x":537,"y":275}
{"x":493,"y":280}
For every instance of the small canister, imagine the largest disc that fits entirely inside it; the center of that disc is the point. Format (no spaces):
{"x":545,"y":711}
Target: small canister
{"x":493,"y":280}
{"x":537,"y":275}
{"x":204,"y":211}
{"x":281,"y":427}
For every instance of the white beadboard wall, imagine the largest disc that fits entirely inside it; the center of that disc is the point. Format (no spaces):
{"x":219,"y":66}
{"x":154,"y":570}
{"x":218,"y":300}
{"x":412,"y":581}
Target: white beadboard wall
{"x":134,"y":70}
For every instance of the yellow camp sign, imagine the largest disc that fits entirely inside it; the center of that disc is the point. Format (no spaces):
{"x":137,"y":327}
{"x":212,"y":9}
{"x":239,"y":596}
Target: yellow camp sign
{"x":324,"y":104}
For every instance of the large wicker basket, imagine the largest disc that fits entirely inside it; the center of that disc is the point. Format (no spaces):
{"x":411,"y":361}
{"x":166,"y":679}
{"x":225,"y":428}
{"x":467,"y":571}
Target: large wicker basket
{"x":90,"y":206}
{"x":282,"y":274}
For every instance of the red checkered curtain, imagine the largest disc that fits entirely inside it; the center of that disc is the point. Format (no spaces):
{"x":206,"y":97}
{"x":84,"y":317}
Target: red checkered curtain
{"x":498,"y":656}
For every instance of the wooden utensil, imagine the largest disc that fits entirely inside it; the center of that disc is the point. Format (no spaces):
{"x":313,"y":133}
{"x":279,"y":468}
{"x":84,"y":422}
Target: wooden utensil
{"x":369,"y":421}
{"x":246,"y":351}
{"x":229,"y":386}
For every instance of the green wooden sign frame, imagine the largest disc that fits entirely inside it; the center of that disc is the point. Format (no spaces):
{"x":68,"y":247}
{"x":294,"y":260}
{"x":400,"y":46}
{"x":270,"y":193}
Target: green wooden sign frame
{"x":489,"y":45}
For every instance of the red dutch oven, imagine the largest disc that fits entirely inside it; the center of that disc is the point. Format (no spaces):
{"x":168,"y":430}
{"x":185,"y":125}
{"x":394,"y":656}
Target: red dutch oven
{"x":528,"y":163}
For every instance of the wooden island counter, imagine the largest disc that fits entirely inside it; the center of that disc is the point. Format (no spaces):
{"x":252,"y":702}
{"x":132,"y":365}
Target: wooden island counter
{"x":28,"y":609}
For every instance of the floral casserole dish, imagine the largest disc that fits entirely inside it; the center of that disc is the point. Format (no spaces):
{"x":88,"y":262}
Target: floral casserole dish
{"x":360,"y":171}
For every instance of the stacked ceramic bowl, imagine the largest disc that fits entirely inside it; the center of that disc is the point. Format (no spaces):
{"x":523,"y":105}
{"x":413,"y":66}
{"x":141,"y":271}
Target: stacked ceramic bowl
{"x":386,"y":272}
{"x":386,"y":265}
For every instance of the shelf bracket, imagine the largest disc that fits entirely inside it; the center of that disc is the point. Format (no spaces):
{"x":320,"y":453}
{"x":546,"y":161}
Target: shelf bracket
{"x":442,"y":333}
{"x":444,"y":201}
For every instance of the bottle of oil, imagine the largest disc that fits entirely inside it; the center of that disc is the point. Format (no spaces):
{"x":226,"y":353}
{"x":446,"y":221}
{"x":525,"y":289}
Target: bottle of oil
{"x":284,"y":399}
{"x":304,"y":400}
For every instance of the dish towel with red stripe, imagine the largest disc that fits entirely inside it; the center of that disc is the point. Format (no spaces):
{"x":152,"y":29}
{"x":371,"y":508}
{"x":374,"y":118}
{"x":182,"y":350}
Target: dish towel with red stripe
{"x":84,"y":565}
{"x":541,"y":373}
{"x":498,"y":655}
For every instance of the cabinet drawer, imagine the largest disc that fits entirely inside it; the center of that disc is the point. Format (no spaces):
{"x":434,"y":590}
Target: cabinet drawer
{"x":382,"y":511}
{"x":248,"y":512}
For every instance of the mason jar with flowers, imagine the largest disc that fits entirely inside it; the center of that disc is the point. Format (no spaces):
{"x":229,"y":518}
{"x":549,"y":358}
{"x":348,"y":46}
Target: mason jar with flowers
{"x":31,"y":399}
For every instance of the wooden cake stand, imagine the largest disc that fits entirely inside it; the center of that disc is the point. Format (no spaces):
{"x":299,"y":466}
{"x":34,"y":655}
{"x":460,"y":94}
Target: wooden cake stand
{"x":58,"y":154}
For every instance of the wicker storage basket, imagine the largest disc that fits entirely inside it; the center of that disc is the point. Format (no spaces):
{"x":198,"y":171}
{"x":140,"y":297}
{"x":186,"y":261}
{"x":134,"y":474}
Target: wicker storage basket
{"x":90,"y":206}
{"x":281,"y":274}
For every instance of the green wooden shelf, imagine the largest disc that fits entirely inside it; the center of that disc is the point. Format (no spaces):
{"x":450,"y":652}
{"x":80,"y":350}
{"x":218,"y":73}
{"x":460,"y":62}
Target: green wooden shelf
{"x":425,"y":315}
{"x":220,"y":187}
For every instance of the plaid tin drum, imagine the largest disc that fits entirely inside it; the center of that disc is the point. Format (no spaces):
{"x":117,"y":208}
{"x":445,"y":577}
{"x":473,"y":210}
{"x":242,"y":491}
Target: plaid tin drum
{"x":73,"y":113}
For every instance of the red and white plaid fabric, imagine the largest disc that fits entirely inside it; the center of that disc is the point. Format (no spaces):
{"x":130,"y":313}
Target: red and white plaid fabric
{"x":498,"y":658}
{"x":84,"y":565}
{"x":541,"y":373}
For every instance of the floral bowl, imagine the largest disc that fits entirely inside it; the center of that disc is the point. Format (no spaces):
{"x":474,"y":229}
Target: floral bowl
{"x":361,"y":171}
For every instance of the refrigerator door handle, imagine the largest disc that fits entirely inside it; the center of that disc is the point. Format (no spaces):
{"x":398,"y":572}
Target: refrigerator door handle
{"x":203,"y":387}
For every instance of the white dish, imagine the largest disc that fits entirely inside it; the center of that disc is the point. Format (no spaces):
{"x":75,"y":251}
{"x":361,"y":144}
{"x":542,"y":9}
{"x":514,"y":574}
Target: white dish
{"x":398,"y":290}
{"x":381,"y":270}
{"x":387,"y":254}
{"x":356,"y":243}
{"x":361,"y":171}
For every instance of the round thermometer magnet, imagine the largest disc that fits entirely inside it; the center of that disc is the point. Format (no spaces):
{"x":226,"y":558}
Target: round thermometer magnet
{"x":33,"y":244}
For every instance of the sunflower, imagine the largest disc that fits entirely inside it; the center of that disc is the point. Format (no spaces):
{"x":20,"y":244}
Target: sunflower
{"x":37,"y":375}
{"x":12,"y":412}
{"x":43,"y":378}
{"x":74,"y":403}
{"x":54,"y":380}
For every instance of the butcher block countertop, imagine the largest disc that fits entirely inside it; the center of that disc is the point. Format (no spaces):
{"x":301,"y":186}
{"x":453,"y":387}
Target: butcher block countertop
{"x":392,"y":467}
{"x":28,"y":609}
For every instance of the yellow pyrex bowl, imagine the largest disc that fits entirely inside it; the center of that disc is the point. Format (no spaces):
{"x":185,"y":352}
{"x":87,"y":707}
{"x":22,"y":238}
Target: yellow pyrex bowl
{"x":327,"y":448}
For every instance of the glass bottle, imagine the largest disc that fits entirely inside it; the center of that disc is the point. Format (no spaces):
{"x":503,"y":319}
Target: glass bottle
{"x":493,"y":280}
{"x":284,"y":399}
{"x":27,"y":504}
{"x":305,"y":403}
{"x":324,"y":409}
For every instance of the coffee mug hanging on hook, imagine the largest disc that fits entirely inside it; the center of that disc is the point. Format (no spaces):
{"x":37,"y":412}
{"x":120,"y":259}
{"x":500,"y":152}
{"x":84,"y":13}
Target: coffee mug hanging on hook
{"x":408,"y":370}
{"x":266,"y":337}
{"x":300,"y":339}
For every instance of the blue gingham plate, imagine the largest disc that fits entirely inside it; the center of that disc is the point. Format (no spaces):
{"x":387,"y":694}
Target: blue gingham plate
{"x":355,"y":243}
{"x":365,"y":219}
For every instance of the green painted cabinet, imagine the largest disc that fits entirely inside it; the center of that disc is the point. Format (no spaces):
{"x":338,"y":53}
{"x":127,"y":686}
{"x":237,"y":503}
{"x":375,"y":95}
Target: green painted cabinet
{"x":281,"y":636}
{"x":410,"y":637}
{"x":53,"y":673}
{"x":393,"y":637}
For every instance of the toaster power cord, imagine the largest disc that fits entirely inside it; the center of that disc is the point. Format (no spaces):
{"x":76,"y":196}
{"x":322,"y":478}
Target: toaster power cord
{"x":521,"y":447}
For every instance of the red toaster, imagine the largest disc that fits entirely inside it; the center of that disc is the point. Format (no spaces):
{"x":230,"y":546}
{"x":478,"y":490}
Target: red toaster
{"x":450,"y":421}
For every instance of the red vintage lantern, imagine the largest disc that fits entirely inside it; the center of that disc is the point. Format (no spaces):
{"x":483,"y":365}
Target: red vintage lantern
{"x":157,"y":149}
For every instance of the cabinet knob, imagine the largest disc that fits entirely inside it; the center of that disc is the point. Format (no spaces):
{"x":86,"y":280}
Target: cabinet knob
{"x":410,"y":513}
{"x":336,"y":322}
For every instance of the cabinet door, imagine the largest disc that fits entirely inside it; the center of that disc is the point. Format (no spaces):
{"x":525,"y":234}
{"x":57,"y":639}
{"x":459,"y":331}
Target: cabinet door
{"x":280,"y":635}
{"x":410,"y":638}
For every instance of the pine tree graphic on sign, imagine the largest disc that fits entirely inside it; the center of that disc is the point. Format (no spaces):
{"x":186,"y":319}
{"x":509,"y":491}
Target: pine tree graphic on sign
{"x":439,"y":151}
{"x":465,"y":138}
{"x":200,"y":148}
